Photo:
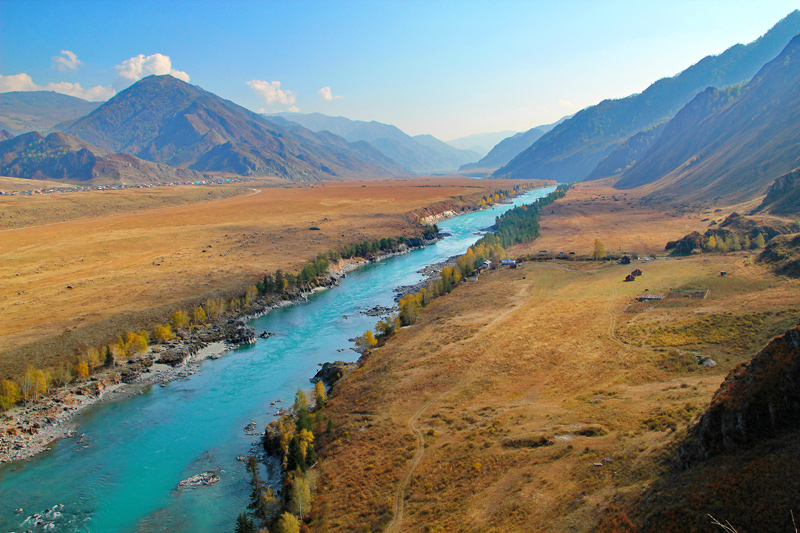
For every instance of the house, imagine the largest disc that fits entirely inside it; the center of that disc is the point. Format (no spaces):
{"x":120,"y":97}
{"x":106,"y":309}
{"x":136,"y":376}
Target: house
{"x":637,"y":272}
{"x":625,"y":260}
{"x":509,"y":262}
{"x":486,"y":265}
{"x":630,"y":277}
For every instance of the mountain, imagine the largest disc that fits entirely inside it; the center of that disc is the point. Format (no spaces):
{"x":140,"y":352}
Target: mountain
{"x":626,"y":154}
{"x":728,"y":145}
{"x":166,"y":120}
{"x":39,"y":110}
{"x":481,"y":143}
{"x":60,"y":156}
{"x":573,"y":149}
{"x":420,"y":154}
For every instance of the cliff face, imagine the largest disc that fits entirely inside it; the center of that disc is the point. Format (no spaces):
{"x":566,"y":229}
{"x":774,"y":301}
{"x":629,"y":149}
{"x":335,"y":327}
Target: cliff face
{"x":783,"y":196}
{"x":758,"y":400}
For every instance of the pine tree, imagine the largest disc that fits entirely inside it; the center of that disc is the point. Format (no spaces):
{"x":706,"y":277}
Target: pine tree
{"x":244,"y":524}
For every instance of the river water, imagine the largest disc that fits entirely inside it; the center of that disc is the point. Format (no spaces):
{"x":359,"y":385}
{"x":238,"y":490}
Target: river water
{"x":136,"y":451}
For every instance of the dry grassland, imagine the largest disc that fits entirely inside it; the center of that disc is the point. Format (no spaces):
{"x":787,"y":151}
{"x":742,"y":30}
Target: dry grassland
{"x":542,"y":395}
{"x":83,"y":281}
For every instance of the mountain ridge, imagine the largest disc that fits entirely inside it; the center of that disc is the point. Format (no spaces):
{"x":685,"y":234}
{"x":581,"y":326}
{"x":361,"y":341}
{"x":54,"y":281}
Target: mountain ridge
{"x":573,"y":149}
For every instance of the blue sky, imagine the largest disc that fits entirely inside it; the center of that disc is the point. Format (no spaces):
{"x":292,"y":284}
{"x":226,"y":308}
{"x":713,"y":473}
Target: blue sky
{"x":445,"y":68}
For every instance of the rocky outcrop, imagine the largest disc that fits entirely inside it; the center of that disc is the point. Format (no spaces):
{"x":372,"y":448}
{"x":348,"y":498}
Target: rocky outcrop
{"x":330,"y":373}
{"x":783,"y":196}
{"x":783,"y":254}
{"x":759,"y":399}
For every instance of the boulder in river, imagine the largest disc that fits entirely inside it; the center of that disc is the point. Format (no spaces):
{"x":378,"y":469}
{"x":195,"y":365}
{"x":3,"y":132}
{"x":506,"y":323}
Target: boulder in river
{"x":206,"y":478}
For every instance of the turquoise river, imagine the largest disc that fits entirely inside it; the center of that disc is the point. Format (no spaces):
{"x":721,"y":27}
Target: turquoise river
{"x":139,"y":449}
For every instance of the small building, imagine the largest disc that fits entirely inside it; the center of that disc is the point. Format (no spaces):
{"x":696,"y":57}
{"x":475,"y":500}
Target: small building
{"x":637,"y":272}
{"x":509,"y":262}
{"x":486,"y":265}
{"x":630,"y":277}
{"x":723,"y":273}
{"x":625,"y":260}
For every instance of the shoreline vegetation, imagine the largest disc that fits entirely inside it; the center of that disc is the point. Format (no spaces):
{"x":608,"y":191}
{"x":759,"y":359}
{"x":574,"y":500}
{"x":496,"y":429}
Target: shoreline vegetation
{"x":291,"y":438}
{"x":38,"y":407}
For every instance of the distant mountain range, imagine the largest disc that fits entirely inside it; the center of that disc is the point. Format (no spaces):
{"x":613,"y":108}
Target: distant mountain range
{"x":21,"y":112}
{"x":166,"y":120}
{"x":422,"y":153}
{"x":481,"y":143}
{"x":572,"y":150}
{"x":727,"y":145}
{"x":509,"y":148}
{"x":60,"y":156}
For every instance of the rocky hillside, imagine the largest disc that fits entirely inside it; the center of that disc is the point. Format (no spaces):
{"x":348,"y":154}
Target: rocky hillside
{"x":783,"y":196}
{"x":758,"y":400}
{"x":573,"y":149}
{"x":165,"y":120}
{"x":60,"y":156}
{"x":783,"y":254}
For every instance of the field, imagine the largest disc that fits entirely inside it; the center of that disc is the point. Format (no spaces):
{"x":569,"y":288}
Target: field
{"x":538,"y":399}
{"x":80,"y":268}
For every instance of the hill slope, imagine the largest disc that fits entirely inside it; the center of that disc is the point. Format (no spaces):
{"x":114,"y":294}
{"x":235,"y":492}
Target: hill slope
{"x":21,"y":112}
{"x":420,"y":154}
{"x":728,"y":145}
{"x":60,"y":156}
{"x":166,"y":120}
{"x":572,"y":150}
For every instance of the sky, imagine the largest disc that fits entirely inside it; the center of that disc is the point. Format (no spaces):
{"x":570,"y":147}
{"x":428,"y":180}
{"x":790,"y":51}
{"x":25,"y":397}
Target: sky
{"x":447,"y":68}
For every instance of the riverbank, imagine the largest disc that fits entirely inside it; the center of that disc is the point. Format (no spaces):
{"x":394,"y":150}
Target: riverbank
{"x":30,"y":429}
{"x":27,"y":430}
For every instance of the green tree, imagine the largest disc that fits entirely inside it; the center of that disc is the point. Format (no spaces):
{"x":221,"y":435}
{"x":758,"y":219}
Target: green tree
{"x":599,"y":250}
{"x":245,"y":524}
{"x":758,"y":241}
{"x":711,"y":243}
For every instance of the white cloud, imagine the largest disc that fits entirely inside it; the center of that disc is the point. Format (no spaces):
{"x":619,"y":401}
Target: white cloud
{"x":327,"y":95}
{"x":271,"y":92}
{"x":566,"y":103}
{"x":140,"y":66}
{"x":66,"y":61}
{"x":293,"y":109}
{"x":23,"y":82}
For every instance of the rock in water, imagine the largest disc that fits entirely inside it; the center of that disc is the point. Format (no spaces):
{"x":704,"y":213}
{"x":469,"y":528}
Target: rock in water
{"x":206,"y":478}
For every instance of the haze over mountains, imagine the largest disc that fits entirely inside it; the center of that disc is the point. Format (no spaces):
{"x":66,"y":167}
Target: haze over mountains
{"x":422,"y":153}
{"x":573,"y":149}
{"x":510,"y":147}
{"x":481,"y":143}
{"x":730,"y":144}
{"x":39,"y":110}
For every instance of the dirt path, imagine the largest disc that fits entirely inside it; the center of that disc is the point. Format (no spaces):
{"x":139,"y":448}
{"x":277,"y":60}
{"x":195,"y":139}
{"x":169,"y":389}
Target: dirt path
{"x":400,"y":494}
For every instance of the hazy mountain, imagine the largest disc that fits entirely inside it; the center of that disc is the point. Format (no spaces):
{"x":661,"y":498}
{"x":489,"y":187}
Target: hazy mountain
{"x":163,"y":119}
{"x":480,"y":143}
{"x":728,"y":145}
{"x":39,"y":110}
{"x":573,"y":149}
{"x":626,"y":154}
{"x":420,"y":154}
{"x":60,"y":156}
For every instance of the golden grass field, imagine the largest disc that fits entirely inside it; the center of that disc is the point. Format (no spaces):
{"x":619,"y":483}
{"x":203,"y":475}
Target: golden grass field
{"x":536,"y":399}
{"x":131,"y":257}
